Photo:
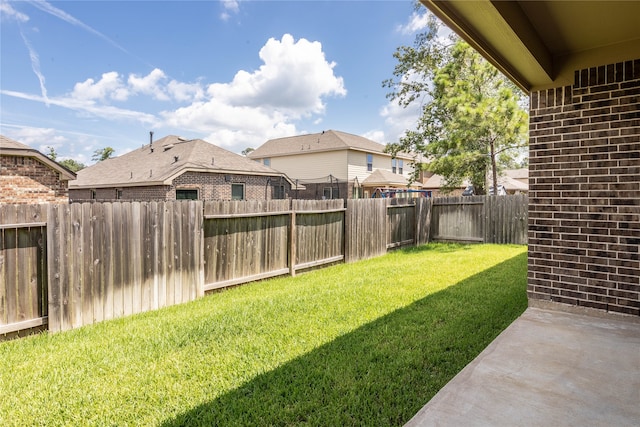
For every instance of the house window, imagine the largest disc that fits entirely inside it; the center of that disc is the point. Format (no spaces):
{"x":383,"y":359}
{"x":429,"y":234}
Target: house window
{"x":267,"y":162}
{"x":331,"y":193}
{"x":369,"y":162}
{"x":118,"y":194}
{"x":93,"y":194}
{"x":237,"y":191}
{"x":191,"y":194}
{"x":393,"y":165}
{"x":400,"y":164}
{"x":278,"y":192}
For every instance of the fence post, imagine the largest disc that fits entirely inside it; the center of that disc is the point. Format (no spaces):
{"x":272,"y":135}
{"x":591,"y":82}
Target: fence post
{"x":292,"y":244}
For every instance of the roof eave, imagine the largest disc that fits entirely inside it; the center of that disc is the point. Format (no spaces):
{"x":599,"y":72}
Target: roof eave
{"x":65,"y":174}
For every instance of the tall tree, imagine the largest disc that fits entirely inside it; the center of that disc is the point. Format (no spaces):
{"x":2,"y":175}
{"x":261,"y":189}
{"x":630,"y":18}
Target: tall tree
{"x":473,"y":118}
{"x":70,"y":164}
{"x":102,"y":154}
{"x":247,"y":150}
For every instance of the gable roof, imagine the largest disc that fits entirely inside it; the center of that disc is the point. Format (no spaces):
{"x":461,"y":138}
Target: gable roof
{"x":163,"y":160}
{"x":330,"y":140}
{"x":383,"y":178}
{"x":9,"y":147}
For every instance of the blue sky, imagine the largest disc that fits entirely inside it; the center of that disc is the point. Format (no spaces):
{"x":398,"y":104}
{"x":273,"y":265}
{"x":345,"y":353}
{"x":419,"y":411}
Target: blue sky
{"x":82,"y":75}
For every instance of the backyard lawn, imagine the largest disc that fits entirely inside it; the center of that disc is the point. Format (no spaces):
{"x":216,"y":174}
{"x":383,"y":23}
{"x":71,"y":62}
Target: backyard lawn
{"x":362,"y":344}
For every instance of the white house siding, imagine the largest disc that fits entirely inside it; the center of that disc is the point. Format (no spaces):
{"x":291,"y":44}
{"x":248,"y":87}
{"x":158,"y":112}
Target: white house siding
{"x":309,"y":165}
{"x":358,"y":165}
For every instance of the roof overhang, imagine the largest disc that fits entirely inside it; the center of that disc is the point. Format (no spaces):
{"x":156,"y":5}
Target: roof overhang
{"x":169,"y":179}
{"x":540,"y":44}
{"x":65,"y":174}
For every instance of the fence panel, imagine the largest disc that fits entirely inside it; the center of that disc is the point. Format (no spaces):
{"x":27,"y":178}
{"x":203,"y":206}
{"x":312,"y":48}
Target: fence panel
{"x":401,"y":222}
{"x":458,"y":219}
{"x":244,"y":241}
{"x":506,"y":219}
{"x":108,"y":260}
{"x":319,"y":232}
{"x":366,"y":229}
{"x":23,"y":277}
{"x":489,"y":219}
{"x":423,"y":220}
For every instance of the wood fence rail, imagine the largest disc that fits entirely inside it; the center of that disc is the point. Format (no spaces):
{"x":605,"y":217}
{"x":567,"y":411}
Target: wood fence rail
{"x":65,"y":266}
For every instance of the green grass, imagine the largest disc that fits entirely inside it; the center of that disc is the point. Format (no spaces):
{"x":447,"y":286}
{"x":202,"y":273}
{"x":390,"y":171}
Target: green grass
{"x":360,"y":344}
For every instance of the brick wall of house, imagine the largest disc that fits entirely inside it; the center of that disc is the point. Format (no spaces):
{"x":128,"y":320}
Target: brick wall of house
{"x":24,"y":179}
{"x":584,"y":199}
{"x":210,"y":187}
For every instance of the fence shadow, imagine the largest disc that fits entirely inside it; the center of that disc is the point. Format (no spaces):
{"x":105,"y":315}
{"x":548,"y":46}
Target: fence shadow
{"x":383,"y":372}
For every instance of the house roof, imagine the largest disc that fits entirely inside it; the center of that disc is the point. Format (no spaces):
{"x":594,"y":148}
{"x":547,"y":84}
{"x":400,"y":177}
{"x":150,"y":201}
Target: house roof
{"x":9,"y":147}
{"x":522,"y":173}
{"x":384,"y":178}
{"x":437,"y":181}
{"x":330,"y":140}
{"x":163,"y":160}
{"x":512,"y":184}
{"x":539,"y":44}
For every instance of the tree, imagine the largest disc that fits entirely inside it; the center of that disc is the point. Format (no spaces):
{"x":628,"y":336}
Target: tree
{"x":102,"y":154}
{"x":247,"y":150}
{"x":473,"y":119}
{"x":70,"y":164}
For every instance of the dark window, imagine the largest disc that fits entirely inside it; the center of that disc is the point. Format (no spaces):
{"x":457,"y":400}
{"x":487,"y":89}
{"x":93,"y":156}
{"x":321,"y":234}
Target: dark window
{"x":186,"y":194}
{"x":393,"y":165}
{"x":400,"y":164}
{"x":237,"y":191}
{"x":278,"y":192}
{"x":331,"y":193}
{"x":369,"y":162}
{"x":118,"y":194}
{"x":267,"y":162}
{"x":93,"y":194}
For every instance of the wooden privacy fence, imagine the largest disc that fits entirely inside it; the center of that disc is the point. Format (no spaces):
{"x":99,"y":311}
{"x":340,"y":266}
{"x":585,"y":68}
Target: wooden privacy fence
{"x":71,"y":265}
{"x":492,"y":219}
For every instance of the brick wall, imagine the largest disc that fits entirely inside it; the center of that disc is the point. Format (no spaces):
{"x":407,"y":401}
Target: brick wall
{"x":584,"y":198}
{"x":24,"y":179}
{"x":210,"y":187}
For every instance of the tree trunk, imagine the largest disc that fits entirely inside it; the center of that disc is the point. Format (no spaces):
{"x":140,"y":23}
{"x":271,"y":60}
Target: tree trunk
{"x":494,"y":169}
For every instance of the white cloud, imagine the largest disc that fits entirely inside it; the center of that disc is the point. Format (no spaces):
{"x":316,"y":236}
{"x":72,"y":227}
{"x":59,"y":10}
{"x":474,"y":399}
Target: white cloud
{"x":185,"y":92}
{"x":294,"y":79}
{"x":151,"y":84}
{"x":417,"y":22}
{"x":110,"y":85}
{"x":292,"y":83}
{"x":7,"y":11}
{"x":87,"y":106}
{"x":230,"y":7}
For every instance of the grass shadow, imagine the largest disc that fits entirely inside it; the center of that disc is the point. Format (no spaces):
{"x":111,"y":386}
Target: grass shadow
{"x":382,"y":373}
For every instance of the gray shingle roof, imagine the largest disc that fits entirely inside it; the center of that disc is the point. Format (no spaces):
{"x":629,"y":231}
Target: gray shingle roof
{"x":330,"y":140}
{"x":163,"y":160}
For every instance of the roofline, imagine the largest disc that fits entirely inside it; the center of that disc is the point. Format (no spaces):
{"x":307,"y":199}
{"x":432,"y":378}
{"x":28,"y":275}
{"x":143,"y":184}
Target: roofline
{"x":32,"y":152}
{"x":169,"y":179}
{"x":403,"y":156}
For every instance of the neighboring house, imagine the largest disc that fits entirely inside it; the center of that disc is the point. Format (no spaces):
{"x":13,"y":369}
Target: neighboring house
{"x":515,"y":181}
{"x":28,"y":176}
{"x":174,"y":168}
{"x":334,"y":165}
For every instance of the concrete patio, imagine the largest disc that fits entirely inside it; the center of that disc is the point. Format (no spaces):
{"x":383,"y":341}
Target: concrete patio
{"x":548,"y":368}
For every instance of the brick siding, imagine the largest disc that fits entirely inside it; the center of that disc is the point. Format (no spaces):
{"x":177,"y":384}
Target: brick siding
{"x":210,"y":186}
{"x":584,"y":191}
{"x":24,"y":179}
